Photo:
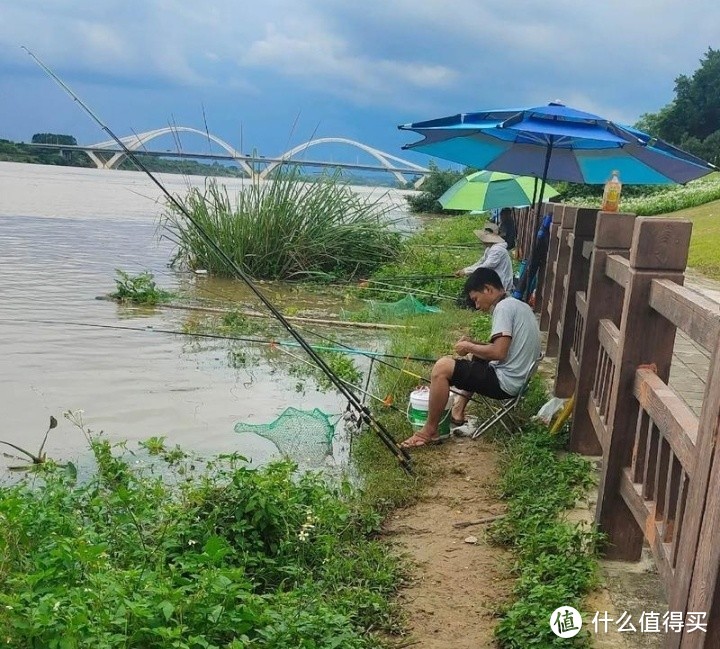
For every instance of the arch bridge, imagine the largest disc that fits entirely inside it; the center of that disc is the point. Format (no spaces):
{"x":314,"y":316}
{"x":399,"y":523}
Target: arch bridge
{"x":388,"y":162}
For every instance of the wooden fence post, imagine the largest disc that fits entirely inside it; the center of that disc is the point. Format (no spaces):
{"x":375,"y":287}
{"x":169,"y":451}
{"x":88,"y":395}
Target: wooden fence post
{"x":613,"y":235}
{"x":549,"y":274}
{"x":559,"y":271}
{"x":576,"y":280}
{"x":697,"y":586}
{"x":659,"y":251}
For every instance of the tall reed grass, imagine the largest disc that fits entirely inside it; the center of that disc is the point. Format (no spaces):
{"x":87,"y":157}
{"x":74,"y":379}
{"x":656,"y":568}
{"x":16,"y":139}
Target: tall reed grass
{"x":284,"y":229}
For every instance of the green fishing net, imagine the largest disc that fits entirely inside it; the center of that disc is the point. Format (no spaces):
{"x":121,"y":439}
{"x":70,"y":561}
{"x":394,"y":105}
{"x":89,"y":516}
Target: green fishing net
{"x":305,"y":436}
{"x":409,"y":305}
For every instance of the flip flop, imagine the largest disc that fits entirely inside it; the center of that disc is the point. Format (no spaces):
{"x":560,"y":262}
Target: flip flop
{"x":416,"y":442}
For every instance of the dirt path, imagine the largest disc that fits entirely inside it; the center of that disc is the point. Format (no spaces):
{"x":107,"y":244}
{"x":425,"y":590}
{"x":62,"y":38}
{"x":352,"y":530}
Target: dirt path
{"x":456,"y":586}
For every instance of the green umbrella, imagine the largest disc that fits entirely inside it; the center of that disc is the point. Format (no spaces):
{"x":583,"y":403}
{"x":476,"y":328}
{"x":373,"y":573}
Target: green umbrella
{"x":490,"y":190}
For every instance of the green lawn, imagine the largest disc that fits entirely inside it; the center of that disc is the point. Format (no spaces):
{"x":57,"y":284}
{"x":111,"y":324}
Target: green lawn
{"x":705,"y":240}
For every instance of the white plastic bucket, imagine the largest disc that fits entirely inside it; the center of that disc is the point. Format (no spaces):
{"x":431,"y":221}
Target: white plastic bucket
{"x":418,"y":411}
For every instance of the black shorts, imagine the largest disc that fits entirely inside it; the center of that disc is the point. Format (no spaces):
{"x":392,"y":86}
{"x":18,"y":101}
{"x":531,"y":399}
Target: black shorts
{"x":478,"y":376}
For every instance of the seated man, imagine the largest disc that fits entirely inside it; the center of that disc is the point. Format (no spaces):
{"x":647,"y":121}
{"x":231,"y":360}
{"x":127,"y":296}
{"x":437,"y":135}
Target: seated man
{"x":496,"y":257}
{"x":497,"y":369}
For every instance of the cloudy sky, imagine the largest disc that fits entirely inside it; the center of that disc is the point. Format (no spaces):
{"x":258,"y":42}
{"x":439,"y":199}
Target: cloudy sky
{"x":271,"y":74}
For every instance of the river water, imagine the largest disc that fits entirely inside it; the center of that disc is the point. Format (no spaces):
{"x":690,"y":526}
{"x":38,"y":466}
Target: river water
{"x":63,"y":232}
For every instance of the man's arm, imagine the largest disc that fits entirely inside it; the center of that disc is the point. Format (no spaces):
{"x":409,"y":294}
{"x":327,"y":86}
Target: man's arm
{"x":495,"y":350}
{"x":468,"y":270}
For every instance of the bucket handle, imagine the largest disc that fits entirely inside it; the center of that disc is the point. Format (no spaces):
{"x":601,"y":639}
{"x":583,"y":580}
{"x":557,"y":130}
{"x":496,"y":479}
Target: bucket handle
{"x":442,"y":420}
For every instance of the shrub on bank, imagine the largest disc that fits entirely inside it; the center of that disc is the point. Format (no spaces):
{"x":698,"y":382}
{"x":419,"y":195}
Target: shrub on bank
{"x":223,"y":556}
{"x":284,"y":229}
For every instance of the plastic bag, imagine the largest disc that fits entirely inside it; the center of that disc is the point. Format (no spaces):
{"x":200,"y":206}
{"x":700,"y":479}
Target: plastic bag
{"x":550,"y":409}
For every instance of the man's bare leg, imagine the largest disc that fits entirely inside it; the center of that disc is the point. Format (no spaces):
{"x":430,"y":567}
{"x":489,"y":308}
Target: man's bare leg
{"x":439,"y":391}
{"x":462,"y":397}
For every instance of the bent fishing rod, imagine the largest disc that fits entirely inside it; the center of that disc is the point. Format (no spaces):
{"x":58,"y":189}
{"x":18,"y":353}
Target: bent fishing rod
{"x":366,"y":416}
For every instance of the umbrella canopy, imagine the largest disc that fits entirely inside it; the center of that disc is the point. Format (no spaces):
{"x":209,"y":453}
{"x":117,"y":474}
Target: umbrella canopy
{"x":558,"y":143}
{"x":489,"y":190}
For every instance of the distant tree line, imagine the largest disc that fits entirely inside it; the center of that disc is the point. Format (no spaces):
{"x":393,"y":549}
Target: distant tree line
{"x":20,"y":152}
{"x":435,"y":185}
{"x":692,"y":120}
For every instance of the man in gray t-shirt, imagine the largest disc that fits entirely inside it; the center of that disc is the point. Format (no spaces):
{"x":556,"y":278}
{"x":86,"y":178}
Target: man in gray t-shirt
{"x":497,"y":369}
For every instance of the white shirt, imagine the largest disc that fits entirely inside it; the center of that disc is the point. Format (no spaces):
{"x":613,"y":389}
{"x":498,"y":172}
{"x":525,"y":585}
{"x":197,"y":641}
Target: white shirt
{"x":498,"y":259}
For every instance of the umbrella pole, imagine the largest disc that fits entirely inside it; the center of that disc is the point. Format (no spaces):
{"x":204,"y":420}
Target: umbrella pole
{"x":536,"y":220}
{"x":533,"y":208}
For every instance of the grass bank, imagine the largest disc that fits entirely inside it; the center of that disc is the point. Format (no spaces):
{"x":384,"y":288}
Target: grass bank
{"x":555,"y":561}
{"x":705,"y":241}
{"x":664,"y":199}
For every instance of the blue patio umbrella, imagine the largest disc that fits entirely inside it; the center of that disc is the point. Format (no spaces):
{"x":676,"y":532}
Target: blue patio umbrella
{"x":555,"y":142}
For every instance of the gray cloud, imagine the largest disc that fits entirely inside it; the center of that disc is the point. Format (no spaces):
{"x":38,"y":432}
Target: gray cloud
{"x":413,"y":59}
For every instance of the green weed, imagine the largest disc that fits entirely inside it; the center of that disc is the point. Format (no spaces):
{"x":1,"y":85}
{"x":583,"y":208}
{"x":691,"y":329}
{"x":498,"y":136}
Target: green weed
{"x":139,"y":289}
{"x":663,"y":200}
{"x":556,"y":562}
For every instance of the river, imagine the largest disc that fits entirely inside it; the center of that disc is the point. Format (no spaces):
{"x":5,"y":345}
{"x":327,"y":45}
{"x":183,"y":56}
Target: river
{"x":63,"y":233}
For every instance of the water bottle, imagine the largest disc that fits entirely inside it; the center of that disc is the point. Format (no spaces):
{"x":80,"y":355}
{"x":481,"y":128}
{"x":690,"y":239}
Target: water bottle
{"x":611,"y":195}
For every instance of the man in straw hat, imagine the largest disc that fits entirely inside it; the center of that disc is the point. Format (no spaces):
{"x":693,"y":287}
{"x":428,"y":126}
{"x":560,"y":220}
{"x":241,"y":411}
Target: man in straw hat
{"x":496,"y":256}
{"x":496,"y":369}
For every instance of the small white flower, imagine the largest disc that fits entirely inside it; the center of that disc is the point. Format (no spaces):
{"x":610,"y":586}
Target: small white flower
{"x":192,"y":542}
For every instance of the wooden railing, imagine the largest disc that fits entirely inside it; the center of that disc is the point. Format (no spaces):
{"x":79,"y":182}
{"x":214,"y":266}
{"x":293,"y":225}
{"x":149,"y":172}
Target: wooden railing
{"x":615,"y":297}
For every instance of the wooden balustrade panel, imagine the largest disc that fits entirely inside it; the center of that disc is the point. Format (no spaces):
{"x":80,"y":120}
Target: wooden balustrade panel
{"x":658,"y":251}
{"x":601,"y":298}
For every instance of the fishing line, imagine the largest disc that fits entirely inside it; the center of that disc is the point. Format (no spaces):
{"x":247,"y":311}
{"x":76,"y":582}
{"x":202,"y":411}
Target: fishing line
{"x":401,"y":454}
{"x":471,"y":398}
{"x":420,"y":291}
{"x":258,"y":341}
{"x":350,"y":385}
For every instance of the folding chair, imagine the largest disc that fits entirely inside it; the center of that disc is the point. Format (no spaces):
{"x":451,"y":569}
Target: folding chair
{"x":503,"y":409}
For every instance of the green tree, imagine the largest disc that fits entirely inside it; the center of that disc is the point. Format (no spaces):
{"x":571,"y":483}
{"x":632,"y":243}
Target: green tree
{"x":435,"y":185}
{"x":53,"y":138}
{"x":692,"y":119}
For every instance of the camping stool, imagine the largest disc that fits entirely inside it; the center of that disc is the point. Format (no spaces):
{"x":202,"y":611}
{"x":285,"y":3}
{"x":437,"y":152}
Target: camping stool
{"x":503,"y":410}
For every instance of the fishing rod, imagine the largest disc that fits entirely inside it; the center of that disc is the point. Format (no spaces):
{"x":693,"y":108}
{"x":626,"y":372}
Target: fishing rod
{"x":407,"y":278}
{"x":416,"y":290}
{"x":401,"y":454}
{"x":350,"y":385}
{"x":424,"y":379}
{"x":192,"y":334}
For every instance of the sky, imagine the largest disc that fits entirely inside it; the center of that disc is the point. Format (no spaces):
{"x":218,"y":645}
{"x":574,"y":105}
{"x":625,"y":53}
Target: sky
{"x":271,"y":74}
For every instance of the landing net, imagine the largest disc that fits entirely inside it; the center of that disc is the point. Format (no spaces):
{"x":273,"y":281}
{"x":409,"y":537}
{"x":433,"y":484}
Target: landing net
{"x":304,"y":436}
{"x":376,"y":310}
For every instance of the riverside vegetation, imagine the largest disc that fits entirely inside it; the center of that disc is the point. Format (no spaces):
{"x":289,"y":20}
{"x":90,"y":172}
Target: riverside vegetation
{"x":196,"y":555}
{"x":201,"y":554}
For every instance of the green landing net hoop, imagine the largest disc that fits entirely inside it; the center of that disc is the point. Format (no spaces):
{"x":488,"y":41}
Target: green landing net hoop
{"x":304,"y":436}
